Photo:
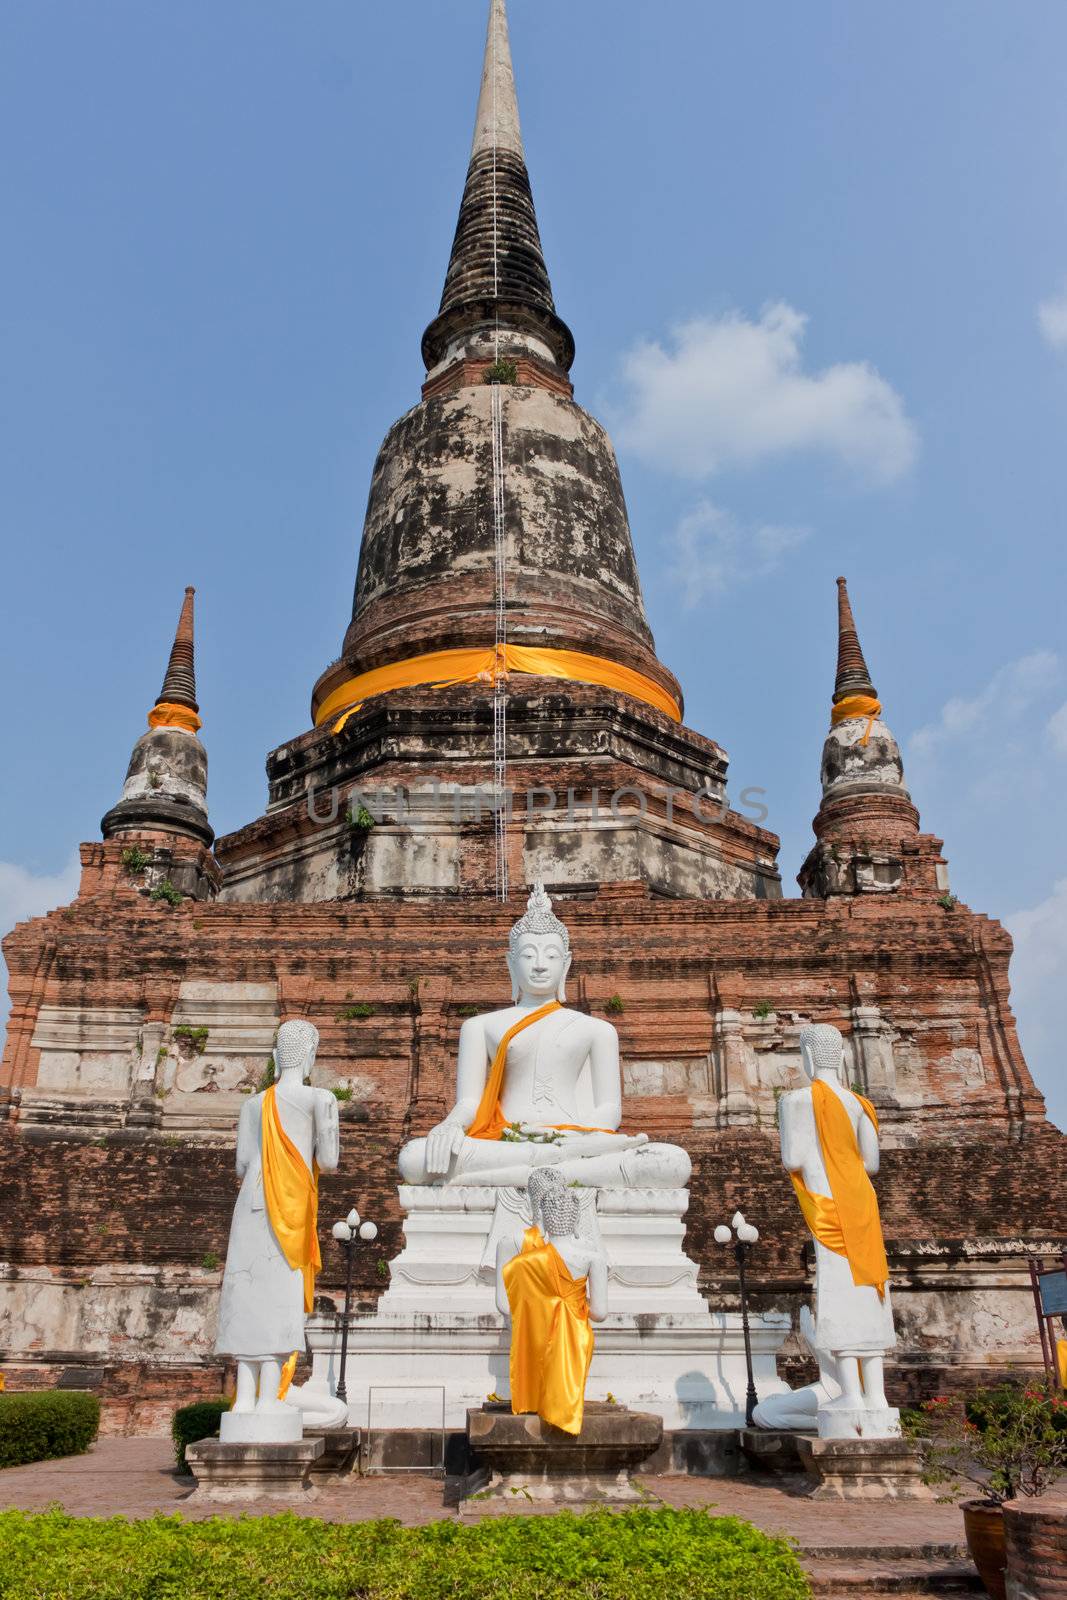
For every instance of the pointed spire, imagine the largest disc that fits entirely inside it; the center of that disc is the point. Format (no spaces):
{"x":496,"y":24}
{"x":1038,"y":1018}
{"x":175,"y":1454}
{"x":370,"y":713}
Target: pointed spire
{"x":497,"y":120}
{"x":497,"y":296}
{"x":166,"y":781}
{"x":176,"y":705}
{"x":852,"y":675}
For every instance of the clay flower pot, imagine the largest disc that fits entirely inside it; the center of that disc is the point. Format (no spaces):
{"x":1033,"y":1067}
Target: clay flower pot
{"x":983,"y":1521}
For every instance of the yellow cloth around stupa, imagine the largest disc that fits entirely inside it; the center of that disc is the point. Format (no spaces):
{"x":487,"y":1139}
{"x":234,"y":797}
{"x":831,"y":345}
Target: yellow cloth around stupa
{"x":847,"y":1221}
{"x":551,"y":1338}
{"x":291,"y":1193}
{"x":442,"y":668}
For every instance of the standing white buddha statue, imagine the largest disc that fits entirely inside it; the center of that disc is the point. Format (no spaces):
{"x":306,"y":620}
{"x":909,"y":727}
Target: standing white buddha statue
{"x":522,"y":1095}
{"x":285,"y":1136}
{"x":551,"y":1289}
{"x":829,"y":1140}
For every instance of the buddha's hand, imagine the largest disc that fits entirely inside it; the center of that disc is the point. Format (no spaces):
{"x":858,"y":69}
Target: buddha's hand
{"x":442,"y":1143}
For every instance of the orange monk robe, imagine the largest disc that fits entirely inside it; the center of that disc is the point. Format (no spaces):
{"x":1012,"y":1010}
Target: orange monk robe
{"x":291,"y":1193}
{"x":846,"y":1221}
{"x":551,"y":1339}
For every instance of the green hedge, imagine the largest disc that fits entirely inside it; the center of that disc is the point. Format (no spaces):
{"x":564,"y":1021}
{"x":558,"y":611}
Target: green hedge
{"x":37,"y":1427}
{"x":195,"y":1422}
{"x":647,"y":1554}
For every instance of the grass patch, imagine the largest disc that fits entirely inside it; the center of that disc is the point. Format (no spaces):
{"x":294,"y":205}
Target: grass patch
{"x":197,"y":1037}
{"x":501,"y":371}
{"x":355,"y":1013}
{"x":653,"y":1554}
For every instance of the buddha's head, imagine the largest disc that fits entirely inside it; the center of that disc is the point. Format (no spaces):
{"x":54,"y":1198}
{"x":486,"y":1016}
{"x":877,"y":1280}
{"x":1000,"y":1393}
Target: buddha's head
{"x":560,"y":1210}
{"x":539,"y":951}
{"x":295,"y":1047}
{"x":542,"y":1181}
{"x":821,"y":1050}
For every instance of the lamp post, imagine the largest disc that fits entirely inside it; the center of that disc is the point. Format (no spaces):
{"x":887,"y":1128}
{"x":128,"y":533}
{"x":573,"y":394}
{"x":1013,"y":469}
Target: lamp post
{"x":747,"y":1236}
{"x":347,"y":1233}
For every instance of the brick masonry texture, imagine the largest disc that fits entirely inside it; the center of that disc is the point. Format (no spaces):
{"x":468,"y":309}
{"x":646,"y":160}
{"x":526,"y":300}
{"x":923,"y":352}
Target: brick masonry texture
{"x":972,"y":1173}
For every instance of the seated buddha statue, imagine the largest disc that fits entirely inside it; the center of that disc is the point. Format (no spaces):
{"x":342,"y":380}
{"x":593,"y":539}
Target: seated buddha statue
{"x":538,"y":1084}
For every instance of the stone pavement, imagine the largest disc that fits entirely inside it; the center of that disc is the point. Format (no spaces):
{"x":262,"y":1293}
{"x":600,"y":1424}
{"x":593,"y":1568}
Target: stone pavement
{"x":136,"y":1477}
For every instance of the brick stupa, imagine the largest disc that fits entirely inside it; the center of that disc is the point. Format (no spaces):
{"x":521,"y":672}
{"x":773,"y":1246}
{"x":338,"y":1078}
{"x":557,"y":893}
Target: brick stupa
{"x":143,"y":1011}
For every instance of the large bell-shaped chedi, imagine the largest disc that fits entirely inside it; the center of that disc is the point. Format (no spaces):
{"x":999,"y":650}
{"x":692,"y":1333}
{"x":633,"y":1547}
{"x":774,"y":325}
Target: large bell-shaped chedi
{"x":498,"y":639}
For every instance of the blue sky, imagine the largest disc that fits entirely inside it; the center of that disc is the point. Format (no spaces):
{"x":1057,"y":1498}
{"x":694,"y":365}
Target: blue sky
{"x":815,"y":260}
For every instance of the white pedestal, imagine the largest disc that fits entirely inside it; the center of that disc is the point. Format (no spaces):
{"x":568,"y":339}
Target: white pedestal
{"x":861,"y":1423}
{"x":261,"y":1427}
{"x":437,"y":1329}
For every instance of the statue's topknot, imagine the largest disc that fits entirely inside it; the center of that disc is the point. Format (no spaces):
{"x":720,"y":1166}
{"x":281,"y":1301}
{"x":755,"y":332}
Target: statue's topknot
{"x":538,"y":918}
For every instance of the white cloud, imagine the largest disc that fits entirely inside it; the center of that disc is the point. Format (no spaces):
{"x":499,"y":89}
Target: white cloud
{"x":729,"y":392}
{"x":1038,"y":979}
{"x":713,"y":552}
{"x":1009,"y":692}
{"x":1057,"y":730}
{"x":25,"y":894}
{"x":1052,"y":319}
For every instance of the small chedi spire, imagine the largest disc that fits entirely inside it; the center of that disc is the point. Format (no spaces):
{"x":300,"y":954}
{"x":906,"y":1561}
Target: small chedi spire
{"x":178,"y":693}
{"x":852,"y":675}
{"x":867,"y":827}
{"x":165,"y":792}
{"x":497,"y":302}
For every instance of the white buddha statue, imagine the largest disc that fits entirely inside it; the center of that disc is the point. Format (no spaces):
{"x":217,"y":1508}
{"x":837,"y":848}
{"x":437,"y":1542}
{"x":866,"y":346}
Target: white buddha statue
{"x":550,"y":1289}
{"x":829,"y":1140}
{"x":284,"y":1137}
{"x":539,"y":1085}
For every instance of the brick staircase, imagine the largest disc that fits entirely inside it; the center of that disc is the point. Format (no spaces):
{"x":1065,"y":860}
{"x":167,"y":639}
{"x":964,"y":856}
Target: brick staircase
{"x":907,"y":1571}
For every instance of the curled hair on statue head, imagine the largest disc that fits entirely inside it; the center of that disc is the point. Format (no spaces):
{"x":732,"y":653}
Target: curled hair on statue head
{"x":560,"y":1211}
{"x":540,"y":1181}
{"x":823,"y":1044}
{"x":295,"y":1046}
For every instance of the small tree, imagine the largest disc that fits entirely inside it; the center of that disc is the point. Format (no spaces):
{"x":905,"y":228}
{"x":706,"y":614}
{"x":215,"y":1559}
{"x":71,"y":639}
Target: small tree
{"x":1006,"y":1441}
{"x":501,"y":371}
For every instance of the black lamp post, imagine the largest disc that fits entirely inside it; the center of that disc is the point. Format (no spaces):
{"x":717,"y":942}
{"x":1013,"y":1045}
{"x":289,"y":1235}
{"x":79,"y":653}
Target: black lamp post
{"x":348,"y":1234}
{"x":747,"y":1236}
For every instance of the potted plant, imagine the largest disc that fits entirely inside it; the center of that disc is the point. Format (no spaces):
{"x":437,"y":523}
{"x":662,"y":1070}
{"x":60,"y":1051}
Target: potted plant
{"x":1006,"y":1441}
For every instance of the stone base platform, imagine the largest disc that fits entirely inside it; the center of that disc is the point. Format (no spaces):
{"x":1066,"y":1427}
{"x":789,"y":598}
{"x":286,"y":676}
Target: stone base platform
{"x":526,"y":1456}
{"x":233,"y":1473}
{"x":863,"y":1469}
{"x":766,"y":1450}
{"x":437,"y":1340}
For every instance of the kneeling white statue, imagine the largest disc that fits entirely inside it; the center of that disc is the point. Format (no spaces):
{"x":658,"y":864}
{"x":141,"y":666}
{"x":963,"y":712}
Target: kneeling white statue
{"x":285,"y":1136}
{"x":522,"y":1076}
{"x":552,"y":1288}
{"x":829,"y":1138}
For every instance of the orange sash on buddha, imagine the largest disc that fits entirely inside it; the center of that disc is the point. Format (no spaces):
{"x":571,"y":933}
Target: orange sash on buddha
{"x":551,"y":1339}
{"x":291,"y":1194}
{"x":489,"y":1121}
{"x":846,"y":1221}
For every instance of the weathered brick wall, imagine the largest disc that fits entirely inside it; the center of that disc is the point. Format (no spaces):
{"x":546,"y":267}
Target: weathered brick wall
{"x":972,"y":1175}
